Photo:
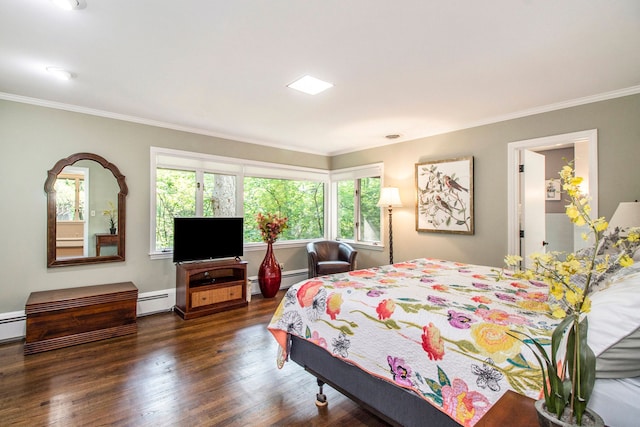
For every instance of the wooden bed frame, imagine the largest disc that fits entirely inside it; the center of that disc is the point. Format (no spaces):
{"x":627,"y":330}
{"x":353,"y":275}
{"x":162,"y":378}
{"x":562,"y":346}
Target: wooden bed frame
{"x":393,"y":404}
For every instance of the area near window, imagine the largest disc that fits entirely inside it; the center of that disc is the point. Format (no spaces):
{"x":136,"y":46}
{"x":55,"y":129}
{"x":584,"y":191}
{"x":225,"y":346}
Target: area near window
{"x":357,"y":218}
{"x":301,"y":201}
{"x":185,"y":193}
{"x":193,"y":184}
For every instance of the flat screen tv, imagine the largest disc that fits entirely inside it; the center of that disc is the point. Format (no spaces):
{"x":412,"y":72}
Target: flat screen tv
{"x":199,"y":239}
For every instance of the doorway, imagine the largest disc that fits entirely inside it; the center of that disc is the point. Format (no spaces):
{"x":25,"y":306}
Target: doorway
{"x":585,"y":146}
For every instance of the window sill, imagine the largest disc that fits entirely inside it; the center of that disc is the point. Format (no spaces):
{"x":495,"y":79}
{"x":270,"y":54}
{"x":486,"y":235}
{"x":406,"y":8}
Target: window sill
{"x":377,"y":247}
{"x":286,"y":244}
{"x":248,"y":248}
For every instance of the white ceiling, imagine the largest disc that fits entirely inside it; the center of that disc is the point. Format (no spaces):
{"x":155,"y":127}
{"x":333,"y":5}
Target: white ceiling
{"x":411,"y":67}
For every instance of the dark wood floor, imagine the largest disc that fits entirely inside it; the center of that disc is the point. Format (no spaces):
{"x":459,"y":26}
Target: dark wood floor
{"x":216,"y":370}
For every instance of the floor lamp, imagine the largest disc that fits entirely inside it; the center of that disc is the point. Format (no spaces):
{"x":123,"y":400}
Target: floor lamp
{"x":390,"y":197}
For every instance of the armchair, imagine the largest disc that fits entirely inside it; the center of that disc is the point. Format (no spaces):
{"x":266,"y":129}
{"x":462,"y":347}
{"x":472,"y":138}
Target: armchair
{"x":328,"y":257}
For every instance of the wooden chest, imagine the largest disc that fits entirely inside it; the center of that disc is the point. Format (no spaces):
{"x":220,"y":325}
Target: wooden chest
{"x":65,"y":317}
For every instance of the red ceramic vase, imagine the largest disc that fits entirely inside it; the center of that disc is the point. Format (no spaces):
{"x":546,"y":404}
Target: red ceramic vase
{"x":269,"y":274}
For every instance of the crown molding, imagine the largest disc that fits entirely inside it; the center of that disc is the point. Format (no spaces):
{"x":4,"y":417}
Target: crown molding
{"x":133,"y":119}
{"x":633,"y":90}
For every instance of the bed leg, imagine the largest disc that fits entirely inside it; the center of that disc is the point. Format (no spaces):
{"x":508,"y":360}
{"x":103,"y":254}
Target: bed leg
{"x":321,"y":399}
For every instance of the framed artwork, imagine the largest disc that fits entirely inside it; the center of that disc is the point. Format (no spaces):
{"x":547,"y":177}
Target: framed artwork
{"x":552,"y":189}
{"x":444,"y":190}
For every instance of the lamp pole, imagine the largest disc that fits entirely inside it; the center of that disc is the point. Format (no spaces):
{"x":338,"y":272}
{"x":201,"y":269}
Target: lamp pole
{"x":390,"y":197}
{"x":390,"y":235}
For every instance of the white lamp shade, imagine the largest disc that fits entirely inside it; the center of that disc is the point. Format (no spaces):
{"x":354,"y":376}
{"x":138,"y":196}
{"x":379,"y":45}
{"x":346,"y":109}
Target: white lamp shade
{"x":627,"y":215}
{"x":390,"y":196}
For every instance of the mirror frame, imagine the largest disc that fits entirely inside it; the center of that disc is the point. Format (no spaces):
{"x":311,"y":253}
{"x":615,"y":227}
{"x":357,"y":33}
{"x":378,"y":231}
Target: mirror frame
{"x":49,"y":184}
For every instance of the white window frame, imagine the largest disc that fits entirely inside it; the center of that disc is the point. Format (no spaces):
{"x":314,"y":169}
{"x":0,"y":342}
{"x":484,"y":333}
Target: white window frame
{"x":353,"y":173}
{"x":186,"y":160}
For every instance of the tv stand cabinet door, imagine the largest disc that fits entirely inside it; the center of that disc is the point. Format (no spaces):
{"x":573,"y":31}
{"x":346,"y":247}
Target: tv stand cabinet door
{"x":216,"y":295}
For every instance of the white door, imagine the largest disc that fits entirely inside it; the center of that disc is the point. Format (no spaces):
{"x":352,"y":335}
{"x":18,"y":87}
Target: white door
{"x":589,"y":156}
{"x":533,"y":205}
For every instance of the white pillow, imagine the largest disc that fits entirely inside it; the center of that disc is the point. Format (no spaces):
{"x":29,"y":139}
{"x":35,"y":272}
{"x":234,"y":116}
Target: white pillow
{"x":614,"y":325}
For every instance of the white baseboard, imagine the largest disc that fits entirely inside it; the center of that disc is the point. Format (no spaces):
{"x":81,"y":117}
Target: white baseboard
{"x":288,"y":278}
{"x":13,"y":324}
{"x":156,"y":302}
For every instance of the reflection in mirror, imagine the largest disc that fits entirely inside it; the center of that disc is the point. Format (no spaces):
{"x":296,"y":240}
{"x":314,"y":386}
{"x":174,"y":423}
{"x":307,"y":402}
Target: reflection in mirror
{"x":71,"y":200}
{"x":86,"y":211}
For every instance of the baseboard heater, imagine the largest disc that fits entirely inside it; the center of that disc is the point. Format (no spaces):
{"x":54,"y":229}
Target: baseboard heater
{"x":155,"y":303}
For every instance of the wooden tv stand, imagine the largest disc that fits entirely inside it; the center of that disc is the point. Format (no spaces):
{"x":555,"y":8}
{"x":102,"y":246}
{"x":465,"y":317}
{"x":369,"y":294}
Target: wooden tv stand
{"x":208,"y":287}
{"x":65,"y":317}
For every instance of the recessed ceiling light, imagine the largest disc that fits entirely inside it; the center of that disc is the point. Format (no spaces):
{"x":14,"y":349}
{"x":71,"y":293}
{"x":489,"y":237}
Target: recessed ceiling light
{"x":59,"y":73}
{"x":66,"y":4}
{"x":392,"y":136}
{"x":310,"y":85}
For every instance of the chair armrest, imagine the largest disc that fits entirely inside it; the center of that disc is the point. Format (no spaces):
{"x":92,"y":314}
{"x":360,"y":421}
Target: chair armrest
{"x":312,"y":257}
{"x":352,"y":259}
{"x":347,"y":253}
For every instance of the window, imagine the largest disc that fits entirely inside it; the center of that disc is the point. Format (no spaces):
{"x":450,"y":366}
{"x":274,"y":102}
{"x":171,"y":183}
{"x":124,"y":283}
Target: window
{"x":192,"y":184}
{"x":184,"y":193}
{"x":357,"y":214}
{"x":70,"y":196}
{"x":300,"y":201}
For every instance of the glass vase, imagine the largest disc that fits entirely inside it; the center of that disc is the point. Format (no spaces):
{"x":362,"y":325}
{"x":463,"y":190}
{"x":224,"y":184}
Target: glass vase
{"x":269,"y":274}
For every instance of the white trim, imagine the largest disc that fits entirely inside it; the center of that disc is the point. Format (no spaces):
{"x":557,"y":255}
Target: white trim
{"x":364,"y":171}
{"x":13,"y":325}
{"x":353,"y":173}
{"x":248,"y":247}
{"x":156,"y":302}
{"x":222,"y":160}
{"x":240,"y":168}
{"x":633,"y":90}
{"x":513,"y":161}
{"x":523,"y":113}
{"x":289,"y":278}
{"x":155,"y":123}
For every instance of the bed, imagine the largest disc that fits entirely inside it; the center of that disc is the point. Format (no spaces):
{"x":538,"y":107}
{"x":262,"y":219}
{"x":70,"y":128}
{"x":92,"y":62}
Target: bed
{"x":427,"y":339}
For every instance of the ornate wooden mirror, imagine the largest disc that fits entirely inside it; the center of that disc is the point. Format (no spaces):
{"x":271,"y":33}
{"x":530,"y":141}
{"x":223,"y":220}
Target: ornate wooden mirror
{"x":86,"y":211}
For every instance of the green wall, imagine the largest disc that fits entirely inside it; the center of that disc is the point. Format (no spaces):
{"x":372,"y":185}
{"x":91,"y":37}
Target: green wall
{"x":33,"y":138}
{"x":618,"y":125}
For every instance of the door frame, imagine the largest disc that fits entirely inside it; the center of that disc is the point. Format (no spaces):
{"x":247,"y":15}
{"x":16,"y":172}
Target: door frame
{"x":590,"y":137}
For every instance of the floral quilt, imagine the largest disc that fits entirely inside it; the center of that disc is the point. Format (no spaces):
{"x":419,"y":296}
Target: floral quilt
{"x":437,"y":327}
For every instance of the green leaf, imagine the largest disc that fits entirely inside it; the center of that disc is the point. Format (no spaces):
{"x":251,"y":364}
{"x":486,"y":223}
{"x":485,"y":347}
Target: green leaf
{"x":585,"y":371}
{"x":466,"y":346}
{"x":391,"y":324}
{"x":442,"y":377}
{"x":433,"y":385}
{"x":519,"y":361}
{"x":346,"y":330}
{"x":553,"y":392}
{"x":437,"y":399}
{"x":556,"y":337}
